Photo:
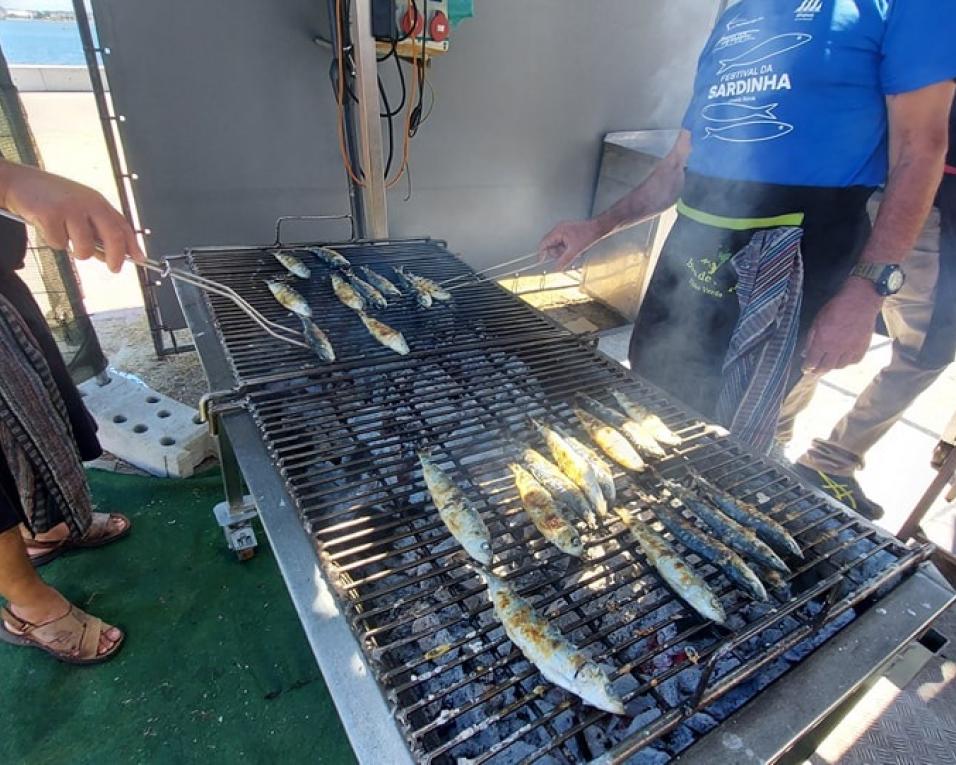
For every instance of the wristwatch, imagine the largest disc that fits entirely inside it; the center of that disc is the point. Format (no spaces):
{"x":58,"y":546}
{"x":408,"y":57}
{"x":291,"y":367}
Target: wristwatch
{"x":888,"y":279}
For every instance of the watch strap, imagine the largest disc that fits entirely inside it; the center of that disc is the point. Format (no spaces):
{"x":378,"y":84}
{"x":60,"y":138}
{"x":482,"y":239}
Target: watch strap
{"x":870,"y":271}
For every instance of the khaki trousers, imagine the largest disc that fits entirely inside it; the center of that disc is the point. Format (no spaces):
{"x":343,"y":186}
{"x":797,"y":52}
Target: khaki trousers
{"x":881,"y":405}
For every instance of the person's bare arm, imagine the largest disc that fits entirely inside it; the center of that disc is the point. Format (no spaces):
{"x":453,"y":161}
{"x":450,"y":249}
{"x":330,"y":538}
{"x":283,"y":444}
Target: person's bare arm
{"x":919,"y":124}
{"x":566,"y":241}
{"x":68,"y":215}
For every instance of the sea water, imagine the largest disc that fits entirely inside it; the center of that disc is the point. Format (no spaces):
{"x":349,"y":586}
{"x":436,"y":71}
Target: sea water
{"x":41,"y":42}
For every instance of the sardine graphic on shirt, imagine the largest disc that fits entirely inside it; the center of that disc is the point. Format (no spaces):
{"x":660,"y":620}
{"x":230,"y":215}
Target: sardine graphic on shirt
{"x":749,"y":132}
{"x":768,"y":49}
{"x":735,"y":112}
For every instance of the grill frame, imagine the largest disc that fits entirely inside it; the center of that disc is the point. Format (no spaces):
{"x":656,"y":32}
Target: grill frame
{"x":247,"y":387}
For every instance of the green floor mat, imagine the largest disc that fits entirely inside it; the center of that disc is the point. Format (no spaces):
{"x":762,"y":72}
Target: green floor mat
{"x":215,"y":667}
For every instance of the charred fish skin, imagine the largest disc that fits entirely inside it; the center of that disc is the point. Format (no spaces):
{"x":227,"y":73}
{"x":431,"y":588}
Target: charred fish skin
{"x":738,"y":537}
{"x":457,"y":513}
{"x":380,"y":283}
{"x":712,"y":550}
{"x":292,"y":264}
{"x":544,"y":513}
{"x":766,"y":528}
{"x":423,"y":284}
{"x":600,"y":466}
{"x":558,"y":660}
{"x":636,"y":434}
{"x":680,"y":577}
{"x":288,"y":298}
{"x":574,"y":465}
{"x":647,"y":419}
{"x":386,"y":335}
{"x":368,"y":292}
{"x":562,"y":489}
{"x":330,"y":257}
{"x":612,"y":443}
{"x":422,"y":297}
{"x":317,"y":339}
{"x":346,"y":293}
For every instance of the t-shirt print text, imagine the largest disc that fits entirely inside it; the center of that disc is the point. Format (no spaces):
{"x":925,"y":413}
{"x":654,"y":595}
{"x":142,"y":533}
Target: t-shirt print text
{"x":807,"y":10}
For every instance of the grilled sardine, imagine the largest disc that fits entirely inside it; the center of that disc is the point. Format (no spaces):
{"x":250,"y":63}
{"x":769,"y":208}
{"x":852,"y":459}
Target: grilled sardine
{"x":292,"y":264}
{"x":346,"y":293}
{"x":288,"y":298}
{"x":636,"y":434}
{"x":317,"y":339}
{"x":612,"y":443}
{"x":771,"y":532}
{"x":545,"y":514}
{"x":647,"y":420}
{"x":457,"y":513}
{"x":600,"y":466}
{"x":674,"y":570}
{"x":558,"y":660}
{"x":561,"y":488}
{"x":731,"y":533}
{"x":574,"y":465}
{"x":367,"y":291}
{"x":421,"y":296}
{"x":330,"y":257}
{"x":712,"y":550}
{"x":386,"y":335}
{"x":424,"y":284}
{"x":380,"y":283}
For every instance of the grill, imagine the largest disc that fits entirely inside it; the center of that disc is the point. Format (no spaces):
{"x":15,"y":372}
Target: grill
{"x":342,"y":437}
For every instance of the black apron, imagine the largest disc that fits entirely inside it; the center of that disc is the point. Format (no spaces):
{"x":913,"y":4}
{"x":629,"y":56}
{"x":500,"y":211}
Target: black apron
{"x":939,"y":347}
{"x":690,"y":310}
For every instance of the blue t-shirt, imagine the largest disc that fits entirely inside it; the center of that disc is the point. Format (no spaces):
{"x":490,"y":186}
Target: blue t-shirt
{"x":793,"y":92}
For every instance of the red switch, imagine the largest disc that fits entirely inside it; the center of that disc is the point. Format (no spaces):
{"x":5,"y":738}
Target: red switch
{"x":413,"y":21}
{"x":438,"y":29}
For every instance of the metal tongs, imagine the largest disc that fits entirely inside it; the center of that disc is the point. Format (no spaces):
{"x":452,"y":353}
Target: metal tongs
{"x":476,"y":276}
{"x":165,"y":270}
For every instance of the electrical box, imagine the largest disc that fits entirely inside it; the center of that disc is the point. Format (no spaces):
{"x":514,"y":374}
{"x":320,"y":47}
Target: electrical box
{"x":417,"y":23}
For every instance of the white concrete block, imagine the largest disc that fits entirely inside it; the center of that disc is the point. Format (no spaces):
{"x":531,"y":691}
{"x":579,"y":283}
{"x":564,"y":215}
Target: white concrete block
{"x":145,"y":428}
{"x":51,"y":78}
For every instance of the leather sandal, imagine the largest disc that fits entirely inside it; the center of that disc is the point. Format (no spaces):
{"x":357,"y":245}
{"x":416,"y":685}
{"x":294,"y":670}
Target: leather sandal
{"x":74,"y":638}
{"x":98,"y":535}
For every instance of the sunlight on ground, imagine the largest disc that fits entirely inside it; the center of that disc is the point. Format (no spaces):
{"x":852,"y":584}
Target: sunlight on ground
{"x":862,"y":717}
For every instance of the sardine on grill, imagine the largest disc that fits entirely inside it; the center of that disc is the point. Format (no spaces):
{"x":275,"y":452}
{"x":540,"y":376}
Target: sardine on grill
{"x":564,"y":491}
{"x":424,"y":284}
{"x":288,"y":298}
{"x":330,"y":257}
{"x":380,"y":283}
{"x":545,"y":514}
{"x":292,"y":264}
{"x":612,"y":443}
{"x":771,"y":532}
{"x":386,"y":335}
{"x":347,"y":293}
{"x":574,"y":465}
{"x":681,"y":578}
{"x":710,"y":549}
{"x":600,"y":466}
{"x":457,"y":513}
{"x":635,"y":433}
{"x":367,"y":291}
{"x":422,"y":296}
{"x":558,"y":660}
{"x":731,"y":533}
{"x":647,"y":420}
{"x":317,"y":339}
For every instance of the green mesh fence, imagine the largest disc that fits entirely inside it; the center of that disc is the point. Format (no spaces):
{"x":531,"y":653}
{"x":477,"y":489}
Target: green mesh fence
{"x":49,"y":273}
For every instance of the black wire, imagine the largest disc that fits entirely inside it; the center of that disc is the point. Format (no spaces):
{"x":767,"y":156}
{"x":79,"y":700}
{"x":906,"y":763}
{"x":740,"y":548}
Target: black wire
{"x":391,"y":127}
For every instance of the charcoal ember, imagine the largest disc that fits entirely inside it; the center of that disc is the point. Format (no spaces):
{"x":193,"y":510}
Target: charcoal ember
{"x":649,"y":755}
{"x":426,"y":625}
{"x":517,"y":752}
{"x":640,"y":721}
{"x":802,"y":649}
{"x":701,"y":723}
{"x":670,"y":691}
{"x":689,"y":679}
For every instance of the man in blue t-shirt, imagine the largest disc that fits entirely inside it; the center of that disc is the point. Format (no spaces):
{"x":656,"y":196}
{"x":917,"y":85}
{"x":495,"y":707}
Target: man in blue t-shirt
{"x":801,"y":108}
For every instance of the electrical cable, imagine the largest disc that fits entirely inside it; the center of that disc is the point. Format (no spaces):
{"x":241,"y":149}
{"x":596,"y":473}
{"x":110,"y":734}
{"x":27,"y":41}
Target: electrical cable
{"x":340,"y":98}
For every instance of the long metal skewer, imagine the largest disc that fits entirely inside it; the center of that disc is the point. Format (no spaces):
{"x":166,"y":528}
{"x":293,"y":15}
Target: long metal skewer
{"x":166,"y":270}
{"x":475,"y":274}
{"x":503,"y":274}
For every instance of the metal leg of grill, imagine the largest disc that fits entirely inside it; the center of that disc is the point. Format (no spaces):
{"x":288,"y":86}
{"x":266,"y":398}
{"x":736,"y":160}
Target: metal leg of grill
{"x":236,"y":513}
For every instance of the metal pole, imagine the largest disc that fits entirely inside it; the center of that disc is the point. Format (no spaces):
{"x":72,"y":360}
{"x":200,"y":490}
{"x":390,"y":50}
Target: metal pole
{"x":369,"y":126}
{"x":943,"y":477}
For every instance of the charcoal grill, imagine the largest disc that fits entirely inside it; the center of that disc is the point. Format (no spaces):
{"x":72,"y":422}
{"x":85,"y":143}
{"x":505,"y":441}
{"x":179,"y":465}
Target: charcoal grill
{"x":400,"y":624}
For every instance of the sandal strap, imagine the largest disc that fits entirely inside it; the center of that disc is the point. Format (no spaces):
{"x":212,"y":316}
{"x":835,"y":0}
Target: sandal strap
{"x":76,"y":633}
{"x":15,"y":621}
{"x":99,"y":525}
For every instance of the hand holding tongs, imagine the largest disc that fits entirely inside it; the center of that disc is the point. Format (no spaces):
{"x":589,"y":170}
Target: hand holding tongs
{"x":165,"y":270}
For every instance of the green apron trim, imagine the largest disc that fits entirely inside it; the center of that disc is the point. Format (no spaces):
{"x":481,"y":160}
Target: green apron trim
{"x":738,"y":224}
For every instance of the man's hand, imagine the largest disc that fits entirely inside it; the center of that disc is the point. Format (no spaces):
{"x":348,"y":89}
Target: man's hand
{"x":841,"y":334}
{"x":566,"y":241}
{"x":68,"y":215}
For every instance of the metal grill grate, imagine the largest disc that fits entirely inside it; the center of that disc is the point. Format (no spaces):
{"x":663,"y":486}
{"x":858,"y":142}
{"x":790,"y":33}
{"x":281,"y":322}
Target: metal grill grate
{"x":343,"y":438}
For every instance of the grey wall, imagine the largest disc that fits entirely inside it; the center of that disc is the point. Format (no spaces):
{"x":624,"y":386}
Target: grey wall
{"x":231,"y":121}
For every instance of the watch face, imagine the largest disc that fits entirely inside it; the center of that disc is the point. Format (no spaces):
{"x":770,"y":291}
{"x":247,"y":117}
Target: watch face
{"x":895,"y":281}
